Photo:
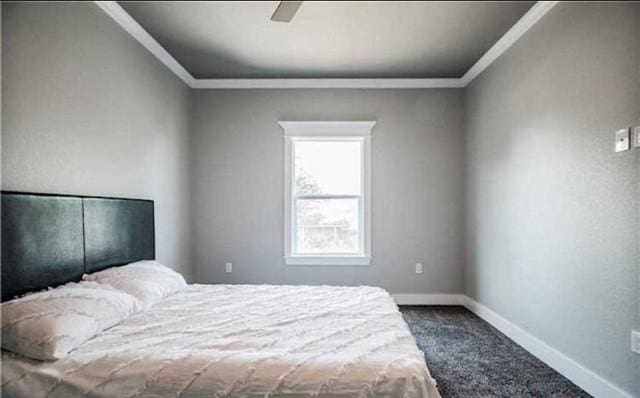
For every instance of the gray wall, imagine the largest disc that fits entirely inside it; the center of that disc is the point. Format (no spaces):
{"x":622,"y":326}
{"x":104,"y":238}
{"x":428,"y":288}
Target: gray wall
{"x":552,"y":211}
{"x":87,"y":110}
{"x":237,"y":179}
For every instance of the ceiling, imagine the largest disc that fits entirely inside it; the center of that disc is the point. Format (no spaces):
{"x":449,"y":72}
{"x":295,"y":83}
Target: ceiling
{"x":327,"y":39}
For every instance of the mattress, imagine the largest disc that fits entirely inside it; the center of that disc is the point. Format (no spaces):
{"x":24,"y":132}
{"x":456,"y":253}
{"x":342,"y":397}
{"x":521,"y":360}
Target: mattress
{"x":241,"y":341}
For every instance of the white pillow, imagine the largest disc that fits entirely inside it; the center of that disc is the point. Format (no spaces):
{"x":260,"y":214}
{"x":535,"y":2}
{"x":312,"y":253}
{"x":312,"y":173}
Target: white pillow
{"x":49,"y":324}
{"x":148,"y":281}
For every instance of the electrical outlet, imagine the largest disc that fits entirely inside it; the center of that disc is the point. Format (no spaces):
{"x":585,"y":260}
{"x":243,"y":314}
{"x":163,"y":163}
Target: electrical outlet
{"x":228,"y":267}
{"x":635,"y":341}
{"x":418,"y":268}
{"x":622,"y":140}
{"x":635,"y":136}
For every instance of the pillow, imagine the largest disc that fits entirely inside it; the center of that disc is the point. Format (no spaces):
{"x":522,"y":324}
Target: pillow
{"x":49,"y":324}
{"x":148,"y":281}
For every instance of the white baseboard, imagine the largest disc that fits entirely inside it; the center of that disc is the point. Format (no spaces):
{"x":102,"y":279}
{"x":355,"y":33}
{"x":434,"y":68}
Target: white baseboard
{"x":428,"y":299}
{"x":572,"y":370}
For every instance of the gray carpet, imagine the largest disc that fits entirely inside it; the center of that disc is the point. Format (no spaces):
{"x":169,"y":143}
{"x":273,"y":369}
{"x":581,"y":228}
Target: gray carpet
{"x":469,"y":358}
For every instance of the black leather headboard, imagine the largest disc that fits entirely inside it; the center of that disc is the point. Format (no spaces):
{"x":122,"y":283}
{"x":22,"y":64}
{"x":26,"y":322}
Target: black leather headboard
{"x":50,"y":239}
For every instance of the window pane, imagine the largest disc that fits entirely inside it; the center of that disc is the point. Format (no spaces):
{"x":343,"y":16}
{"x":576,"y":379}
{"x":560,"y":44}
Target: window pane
{"x":327,"y":226}
{"x":327,"y":168}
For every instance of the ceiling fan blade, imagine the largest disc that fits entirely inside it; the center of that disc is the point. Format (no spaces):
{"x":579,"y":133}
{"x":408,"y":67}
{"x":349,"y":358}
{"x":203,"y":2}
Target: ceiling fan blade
{"x":285,"y":11}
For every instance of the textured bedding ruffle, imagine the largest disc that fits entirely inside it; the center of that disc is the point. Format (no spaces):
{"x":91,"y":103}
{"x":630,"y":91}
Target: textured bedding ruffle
{"x":241,"y":341}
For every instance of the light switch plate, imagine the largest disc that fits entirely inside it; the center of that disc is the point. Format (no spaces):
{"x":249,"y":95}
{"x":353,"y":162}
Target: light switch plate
{"x":635,"y":136}
{"x":635,"y":341}
{"x":622,"y":140}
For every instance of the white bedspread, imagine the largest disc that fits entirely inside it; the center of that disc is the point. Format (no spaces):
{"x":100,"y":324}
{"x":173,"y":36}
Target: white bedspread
{"x":240,"y":341}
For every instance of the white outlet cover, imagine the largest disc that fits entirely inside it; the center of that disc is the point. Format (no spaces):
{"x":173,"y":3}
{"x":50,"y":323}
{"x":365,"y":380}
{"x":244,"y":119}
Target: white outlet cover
{"x":418,"y":268}
{"x":622,"y":140}
{"x":635,"y":341}
{"x":228,"y":267}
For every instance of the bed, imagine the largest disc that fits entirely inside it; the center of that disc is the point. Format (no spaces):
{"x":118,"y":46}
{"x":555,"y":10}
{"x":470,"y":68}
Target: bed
{"x":206,"y":340}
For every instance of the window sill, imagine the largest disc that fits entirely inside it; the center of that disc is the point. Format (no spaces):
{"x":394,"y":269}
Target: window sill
{"x":327,"y":260}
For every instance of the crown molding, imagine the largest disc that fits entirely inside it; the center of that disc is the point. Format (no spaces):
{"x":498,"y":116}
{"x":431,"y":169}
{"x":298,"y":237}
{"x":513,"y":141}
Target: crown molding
{"x":325,"y":83}
{"x":141,"y":35}
{"x":129,"y":24}
{"x":521,"y":27}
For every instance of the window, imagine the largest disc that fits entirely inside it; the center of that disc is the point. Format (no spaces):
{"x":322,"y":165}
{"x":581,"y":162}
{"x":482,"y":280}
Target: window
{"x":327,"y":193}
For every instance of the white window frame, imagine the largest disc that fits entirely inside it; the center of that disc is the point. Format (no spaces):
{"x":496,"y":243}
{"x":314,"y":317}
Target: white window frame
{"x":331,"y":131}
